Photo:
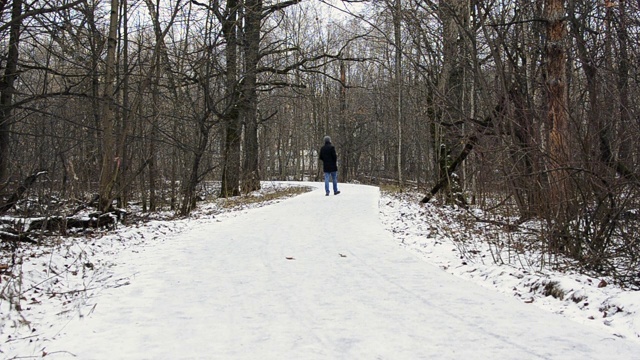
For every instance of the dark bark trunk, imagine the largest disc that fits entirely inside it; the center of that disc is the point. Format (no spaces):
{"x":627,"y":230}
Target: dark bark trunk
{"x":110,"y":165}
{"x":155,"y":120}
{"x":343,"y":153}
{"x":397,"y":32}
{"x":557,"y":104}
{"x":189,"y":191}
{"x":7,"y":88}
{"x":451,"y":86}
{"x":230,"y":185}
{"x":525,"y":182}
{"x":251,"y":175}
{"x":561,"y":207}
{"x":123,"y":129}
{"x":623,"y":80}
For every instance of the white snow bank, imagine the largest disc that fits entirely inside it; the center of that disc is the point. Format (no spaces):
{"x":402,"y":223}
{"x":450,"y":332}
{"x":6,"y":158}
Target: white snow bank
{"x":436,"y":234}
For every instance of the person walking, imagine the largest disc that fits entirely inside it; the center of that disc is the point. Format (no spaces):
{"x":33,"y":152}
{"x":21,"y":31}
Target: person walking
{"x":329,"y":165}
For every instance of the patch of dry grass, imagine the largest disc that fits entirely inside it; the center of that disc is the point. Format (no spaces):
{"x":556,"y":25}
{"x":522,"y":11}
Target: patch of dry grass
{"x":263,"y":197}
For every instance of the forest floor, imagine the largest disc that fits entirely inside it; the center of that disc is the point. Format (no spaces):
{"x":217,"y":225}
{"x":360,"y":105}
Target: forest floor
{"x":348,"y":276}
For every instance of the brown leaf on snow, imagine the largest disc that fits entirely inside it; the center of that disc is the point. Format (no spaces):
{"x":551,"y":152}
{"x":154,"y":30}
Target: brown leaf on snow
{"x":290,"y":258}
{"x":602,"y":284}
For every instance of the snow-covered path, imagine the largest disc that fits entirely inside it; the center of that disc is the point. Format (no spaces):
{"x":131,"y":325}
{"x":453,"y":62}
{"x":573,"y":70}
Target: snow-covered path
{"x":227,"y":290}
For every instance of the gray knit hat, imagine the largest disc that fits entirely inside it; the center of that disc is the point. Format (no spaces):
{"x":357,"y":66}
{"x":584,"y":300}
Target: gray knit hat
{"x":327,"y":139}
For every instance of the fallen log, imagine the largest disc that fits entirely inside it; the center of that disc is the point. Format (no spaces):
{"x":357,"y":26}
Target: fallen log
{"x":62,"y":224}
{"x":11,"y":237}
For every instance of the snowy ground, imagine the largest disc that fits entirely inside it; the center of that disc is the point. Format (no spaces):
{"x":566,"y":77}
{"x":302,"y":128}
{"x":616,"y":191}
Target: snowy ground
{"x":310,"y":277}
{"x":437,"y":234}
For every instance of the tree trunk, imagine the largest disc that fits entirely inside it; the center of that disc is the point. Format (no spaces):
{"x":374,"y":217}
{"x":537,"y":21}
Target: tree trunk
{"x":623,"y":81}
{"x":556,"y":100}
{"x":6,"y":88}
{"x":344,"y":153}
{"x":397,"y":30}
{"x":230,"y":185}
{"x":450,"y":87}
{"x":525,"y":180}
{"x":251,"y":175}
{"x":161,"y":60}
{"x":123,"y":129}
{"x":109,"y":171}
{"x":155,"y":121}
{"x":189,"y":191}
{"x":560,"y":206}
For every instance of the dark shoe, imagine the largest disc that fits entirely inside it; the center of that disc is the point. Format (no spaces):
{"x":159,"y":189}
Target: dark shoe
{"x":337,"y":192}
{"x":327,"y":194}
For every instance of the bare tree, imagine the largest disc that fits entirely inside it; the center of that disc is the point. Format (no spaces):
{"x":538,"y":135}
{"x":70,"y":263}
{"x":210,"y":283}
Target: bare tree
{"x":253,"y":14}
{"x":560,"y":187}
{"x":231,"y":112}
{"x":397,"y":37}
{"x":7,"y":86}
{"x":110,"y":164}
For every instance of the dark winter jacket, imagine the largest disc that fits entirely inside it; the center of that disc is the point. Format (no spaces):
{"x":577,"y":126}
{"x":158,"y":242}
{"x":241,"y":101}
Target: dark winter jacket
{"x":329,"y":157}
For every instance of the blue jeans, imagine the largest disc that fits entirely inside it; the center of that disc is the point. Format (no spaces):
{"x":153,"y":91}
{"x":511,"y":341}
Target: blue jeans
{"x":334,"y":177}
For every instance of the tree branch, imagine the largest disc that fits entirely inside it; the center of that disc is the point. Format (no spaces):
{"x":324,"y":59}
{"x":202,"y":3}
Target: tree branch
{"x":28,"y":14}
{"x":268,"y":10}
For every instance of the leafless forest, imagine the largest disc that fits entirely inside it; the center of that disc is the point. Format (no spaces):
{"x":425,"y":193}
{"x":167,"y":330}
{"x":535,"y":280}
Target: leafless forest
{"x":525,"y":109}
